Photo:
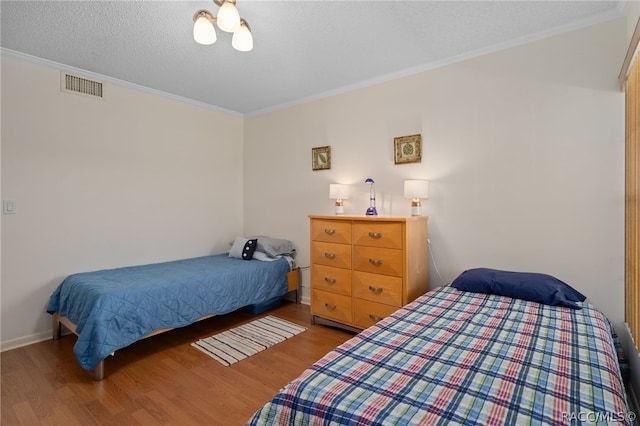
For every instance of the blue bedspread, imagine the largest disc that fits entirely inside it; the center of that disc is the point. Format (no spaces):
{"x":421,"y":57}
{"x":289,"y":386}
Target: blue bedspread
{"x":116,"y":307}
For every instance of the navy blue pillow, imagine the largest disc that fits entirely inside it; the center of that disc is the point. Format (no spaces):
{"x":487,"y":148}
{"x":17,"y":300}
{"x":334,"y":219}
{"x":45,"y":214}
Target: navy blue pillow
{"x":531,"y":286}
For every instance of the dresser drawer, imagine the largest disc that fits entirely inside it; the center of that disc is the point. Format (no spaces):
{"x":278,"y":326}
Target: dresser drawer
{"x":328,"y":278}
{"x":378,"y":288}
{"x":337,"y":255}
{"x":378,"y":234}
{"x":377,"y":260}
{"x":331,"y":231}
{"x":366,"y":313}
{"x":331,"y":306}
{"x":363,"y":268}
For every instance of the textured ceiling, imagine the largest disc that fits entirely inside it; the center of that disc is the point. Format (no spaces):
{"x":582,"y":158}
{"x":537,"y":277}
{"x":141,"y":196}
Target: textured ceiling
{"x":302,"y":49}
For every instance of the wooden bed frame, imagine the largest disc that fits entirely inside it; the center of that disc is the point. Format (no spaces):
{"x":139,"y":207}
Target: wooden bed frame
{"x":293,"y":278}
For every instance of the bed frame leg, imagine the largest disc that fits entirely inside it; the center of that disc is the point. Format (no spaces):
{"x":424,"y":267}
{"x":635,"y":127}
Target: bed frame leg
{"x":293,"y":277}
{"x":98,"y":372}
{"x":298,"y":287}
{"x":56,"y":327}
{"x":56,"y":332}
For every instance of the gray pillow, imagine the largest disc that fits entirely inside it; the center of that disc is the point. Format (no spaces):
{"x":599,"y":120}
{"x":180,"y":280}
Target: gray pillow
{"x":274,"y":247}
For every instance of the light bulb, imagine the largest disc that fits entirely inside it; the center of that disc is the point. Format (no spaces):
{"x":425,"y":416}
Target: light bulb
{"x":228,"y":17}
{"x":242,"y":39}
{"x":203,"y":31}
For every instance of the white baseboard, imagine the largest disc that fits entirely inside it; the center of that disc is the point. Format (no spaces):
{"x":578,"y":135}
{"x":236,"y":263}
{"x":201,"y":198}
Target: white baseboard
{"x":24,"y":341}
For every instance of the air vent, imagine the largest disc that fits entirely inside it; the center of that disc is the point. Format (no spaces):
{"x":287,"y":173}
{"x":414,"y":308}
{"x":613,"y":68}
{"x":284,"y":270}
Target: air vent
{"x":82,"y":86}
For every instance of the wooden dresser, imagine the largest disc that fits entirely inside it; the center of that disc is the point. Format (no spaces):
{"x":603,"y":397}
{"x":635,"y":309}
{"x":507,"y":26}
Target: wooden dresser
{"x":363,"y":268}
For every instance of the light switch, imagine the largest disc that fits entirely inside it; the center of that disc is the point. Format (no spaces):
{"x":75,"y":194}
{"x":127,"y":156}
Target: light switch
{"x":9,"y":206}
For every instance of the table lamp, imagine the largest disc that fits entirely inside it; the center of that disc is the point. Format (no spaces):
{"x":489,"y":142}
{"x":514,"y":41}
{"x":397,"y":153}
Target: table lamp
{"x":339,"y":192}
{"x":416,"y":190}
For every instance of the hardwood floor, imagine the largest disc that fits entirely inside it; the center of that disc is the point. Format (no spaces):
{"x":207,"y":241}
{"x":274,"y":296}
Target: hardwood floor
{"x":161,"y":380}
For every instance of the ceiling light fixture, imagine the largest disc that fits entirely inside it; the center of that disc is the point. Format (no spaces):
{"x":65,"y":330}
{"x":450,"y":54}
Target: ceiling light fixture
{"x":228,"y":20}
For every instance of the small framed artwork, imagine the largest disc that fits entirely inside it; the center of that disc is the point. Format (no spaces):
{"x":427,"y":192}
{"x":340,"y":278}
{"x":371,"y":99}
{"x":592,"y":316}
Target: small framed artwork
{"x":321,"y":158}
{"x":407,"y":149}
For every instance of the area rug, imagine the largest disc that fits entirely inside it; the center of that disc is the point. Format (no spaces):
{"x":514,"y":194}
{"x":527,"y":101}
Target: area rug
{"x":241,"y":342}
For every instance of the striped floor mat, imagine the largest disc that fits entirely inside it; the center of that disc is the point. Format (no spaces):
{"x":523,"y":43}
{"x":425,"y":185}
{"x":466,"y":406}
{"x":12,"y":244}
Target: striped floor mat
{"x":243,"y":341}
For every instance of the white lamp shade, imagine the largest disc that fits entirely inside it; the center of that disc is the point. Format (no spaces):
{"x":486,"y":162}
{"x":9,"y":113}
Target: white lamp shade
{"x":338,"y":191}
{"x":203,"y":31}
{"x":228,"y":17}
{"x":416,"y":189}
{"x":242,"y":39}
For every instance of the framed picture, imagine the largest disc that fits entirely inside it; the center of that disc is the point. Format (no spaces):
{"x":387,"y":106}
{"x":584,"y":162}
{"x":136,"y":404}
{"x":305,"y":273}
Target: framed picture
{"x":407,"y":149}
{"x":321,"y":158}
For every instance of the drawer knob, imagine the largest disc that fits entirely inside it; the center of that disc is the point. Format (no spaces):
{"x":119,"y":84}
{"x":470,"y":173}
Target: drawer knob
{"x":375,"y":317}
{"x":330,"y":280}
{"x":330,"y":255}
{"x":375,"y":234}
{"x":375,"y":289}
{"x":375,"y":261}
{"x":329,"y":231}
{"x":330,"y":307}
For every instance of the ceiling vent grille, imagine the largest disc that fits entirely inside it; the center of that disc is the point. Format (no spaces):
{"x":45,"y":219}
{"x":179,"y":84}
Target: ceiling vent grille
{"x":82,"y":86}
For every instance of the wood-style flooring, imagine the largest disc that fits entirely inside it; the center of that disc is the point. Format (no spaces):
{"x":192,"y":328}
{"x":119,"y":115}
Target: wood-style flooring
{"x":161,"y":380}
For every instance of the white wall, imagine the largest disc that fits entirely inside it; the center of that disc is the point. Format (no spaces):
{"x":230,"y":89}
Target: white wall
{"x":136,"y":178}
{"x":633,"y":13}
{"x":523,"y":148}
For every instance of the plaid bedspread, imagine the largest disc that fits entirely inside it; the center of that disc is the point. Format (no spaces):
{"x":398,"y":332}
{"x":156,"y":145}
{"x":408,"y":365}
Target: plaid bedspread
{"x":460,"y":358}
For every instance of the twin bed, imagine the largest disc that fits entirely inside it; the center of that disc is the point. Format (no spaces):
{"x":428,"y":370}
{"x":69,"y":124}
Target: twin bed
{"x":111,"y":309}
{"x":467,"y":356}
{"x":493,"y":348}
